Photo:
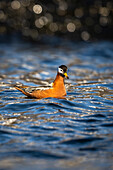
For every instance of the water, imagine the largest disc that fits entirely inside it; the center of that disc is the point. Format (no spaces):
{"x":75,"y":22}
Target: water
{"x":71,"y":133}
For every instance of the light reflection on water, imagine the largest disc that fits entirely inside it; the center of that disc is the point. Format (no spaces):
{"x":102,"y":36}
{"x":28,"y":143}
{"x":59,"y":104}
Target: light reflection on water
{"x":57,"y":133}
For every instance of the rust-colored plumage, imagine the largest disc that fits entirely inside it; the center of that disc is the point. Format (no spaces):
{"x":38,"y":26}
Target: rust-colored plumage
{"x":57,"y":90}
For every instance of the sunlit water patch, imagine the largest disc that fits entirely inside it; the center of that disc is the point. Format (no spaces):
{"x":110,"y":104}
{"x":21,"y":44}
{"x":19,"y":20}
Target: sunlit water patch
{"x":70,"y":133}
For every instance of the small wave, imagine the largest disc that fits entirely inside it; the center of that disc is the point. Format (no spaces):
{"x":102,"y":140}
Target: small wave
{"x":81,"y":141}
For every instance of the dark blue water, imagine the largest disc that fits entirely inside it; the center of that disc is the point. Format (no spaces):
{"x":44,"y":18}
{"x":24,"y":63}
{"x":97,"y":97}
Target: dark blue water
{"x":71,"y":133}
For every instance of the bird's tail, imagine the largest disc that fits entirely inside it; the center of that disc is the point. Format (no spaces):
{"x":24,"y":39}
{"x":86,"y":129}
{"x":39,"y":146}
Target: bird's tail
{"x":22,"y":89}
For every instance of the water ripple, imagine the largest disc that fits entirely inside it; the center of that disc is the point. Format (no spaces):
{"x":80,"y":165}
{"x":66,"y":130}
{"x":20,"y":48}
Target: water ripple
{"x":77,"y":127}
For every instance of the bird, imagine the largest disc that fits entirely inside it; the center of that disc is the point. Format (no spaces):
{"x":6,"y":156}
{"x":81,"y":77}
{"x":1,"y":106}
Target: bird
{"x":57,"y":89}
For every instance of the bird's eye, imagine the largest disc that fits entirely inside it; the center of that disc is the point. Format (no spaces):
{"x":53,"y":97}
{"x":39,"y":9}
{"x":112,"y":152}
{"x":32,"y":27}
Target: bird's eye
{"x":60,"y":70}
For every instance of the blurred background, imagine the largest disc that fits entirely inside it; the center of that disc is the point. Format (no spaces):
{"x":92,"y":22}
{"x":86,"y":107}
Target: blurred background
{"x":71,"y":19}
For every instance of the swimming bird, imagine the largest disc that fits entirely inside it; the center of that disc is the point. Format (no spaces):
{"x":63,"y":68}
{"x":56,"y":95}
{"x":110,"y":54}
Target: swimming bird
{"x":57,"y":90}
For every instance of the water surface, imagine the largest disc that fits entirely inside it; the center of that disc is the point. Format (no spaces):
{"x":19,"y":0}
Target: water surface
{"x":71,"y":133}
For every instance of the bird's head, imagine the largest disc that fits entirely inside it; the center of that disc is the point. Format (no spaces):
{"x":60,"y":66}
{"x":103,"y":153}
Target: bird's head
{"x":62,"y":70}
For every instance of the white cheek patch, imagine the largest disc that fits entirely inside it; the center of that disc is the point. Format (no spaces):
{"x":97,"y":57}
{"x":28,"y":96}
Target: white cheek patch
{"x":60,"y":70}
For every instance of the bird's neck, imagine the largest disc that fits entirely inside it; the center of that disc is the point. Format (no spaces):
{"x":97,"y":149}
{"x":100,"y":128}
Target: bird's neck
{"x":59,"y":81}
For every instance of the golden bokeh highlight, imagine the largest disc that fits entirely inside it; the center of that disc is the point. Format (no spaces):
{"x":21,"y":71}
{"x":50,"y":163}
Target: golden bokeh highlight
{"x":37,"y":9}
{"x":57,"y":17}
{"x":104,"y":11}
{"x":71,"y":27}
{"x":85,"y":35}
{"x":53,"y":27}
{"x":40,"y":22}
{"x":15,"y":4}
{"x":78,"y":24}
{"x":79,"y":12}
{"x":63,"y":5}
{"x":103,"y":21}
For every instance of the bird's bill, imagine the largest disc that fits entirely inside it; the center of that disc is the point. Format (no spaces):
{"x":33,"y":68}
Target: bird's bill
{"x":65,"y":74}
